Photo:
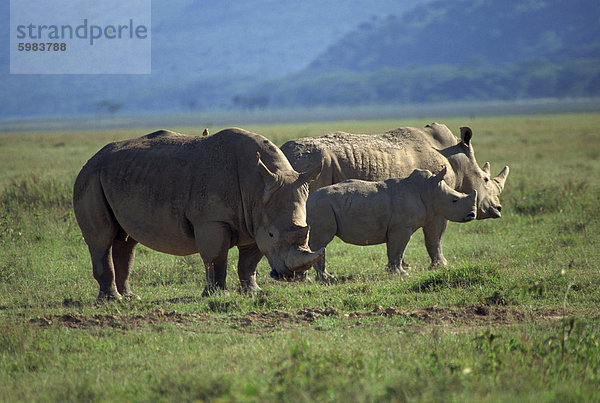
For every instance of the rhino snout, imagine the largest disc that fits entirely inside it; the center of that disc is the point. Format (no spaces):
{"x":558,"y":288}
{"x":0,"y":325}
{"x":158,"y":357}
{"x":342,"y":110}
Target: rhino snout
{"x":297,"y":262}
{"x":300,"y":260}
{"x":490,"y":212}
{"x":293,"y":276}
{"x":470,"y":217}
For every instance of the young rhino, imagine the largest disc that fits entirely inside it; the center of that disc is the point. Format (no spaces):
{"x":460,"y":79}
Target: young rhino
{"x":370,"y":213}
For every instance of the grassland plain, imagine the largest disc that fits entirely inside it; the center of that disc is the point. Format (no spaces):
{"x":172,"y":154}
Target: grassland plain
{"x":514,"y":317}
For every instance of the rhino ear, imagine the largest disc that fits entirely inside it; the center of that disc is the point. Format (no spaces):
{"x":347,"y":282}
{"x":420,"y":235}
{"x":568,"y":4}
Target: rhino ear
{"x":267,"y":175}
{"x":501,"y":178}
{"x":465,"y":135}
{"x":486,"y":168}
{"x":271,"y":183}
{"x":440,"y":175}
{"x":310,"y":175}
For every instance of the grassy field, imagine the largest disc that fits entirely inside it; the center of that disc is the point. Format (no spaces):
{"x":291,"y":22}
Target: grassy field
{"x":514,"y":317}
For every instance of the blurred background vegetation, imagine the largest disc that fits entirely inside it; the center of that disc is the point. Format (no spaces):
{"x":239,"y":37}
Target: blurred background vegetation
{"x":265,"y":54}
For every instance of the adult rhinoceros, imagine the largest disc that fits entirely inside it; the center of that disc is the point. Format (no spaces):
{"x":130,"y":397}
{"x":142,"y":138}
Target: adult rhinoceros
{"x":181,"y":194}
{"x":396,"y":154}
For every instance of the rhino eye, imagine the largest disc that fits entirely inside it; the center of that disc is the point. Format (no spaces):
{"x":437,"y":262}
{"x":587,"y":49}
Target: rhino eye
{"x":486,"y":179}
{"x":271,"y":234}
{"x":454,"y":200}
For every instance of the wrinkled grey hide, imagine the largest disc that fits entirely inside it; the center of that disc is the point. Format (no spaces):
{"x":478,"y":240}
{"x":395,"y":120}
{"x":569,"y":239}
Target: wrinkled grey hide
{"x":396,"y":154}
{"x":181,"y":194}
{"x":370,"y":213}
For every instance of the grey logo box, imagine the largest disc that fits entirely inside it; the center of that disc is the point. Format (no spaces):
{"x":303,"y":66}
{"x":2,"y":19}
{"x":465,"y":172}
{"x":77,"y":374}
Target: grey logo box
{"x":80,"y":37}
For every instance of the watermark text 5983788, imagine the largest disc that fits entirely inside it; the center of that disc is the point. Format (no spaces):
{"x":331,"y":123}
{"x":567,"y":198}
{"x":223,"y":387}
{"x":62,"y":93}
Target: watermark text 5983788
{"x":42,"y":47}
{"x":80,"y":37}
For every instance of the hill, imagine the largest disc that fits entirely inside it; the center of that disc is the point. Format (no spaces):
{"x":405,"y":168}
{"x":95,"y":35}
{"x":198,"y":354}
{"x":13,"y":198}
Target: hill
{"x":465,"y":33}
{"x":462,"y":50}
{"x":202,"y":54}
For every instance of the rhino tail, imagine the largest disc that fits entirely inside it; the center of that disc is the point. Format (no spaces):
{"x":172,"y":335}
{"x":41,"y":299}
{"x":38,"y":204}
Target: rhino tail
{"x":92,"y":210}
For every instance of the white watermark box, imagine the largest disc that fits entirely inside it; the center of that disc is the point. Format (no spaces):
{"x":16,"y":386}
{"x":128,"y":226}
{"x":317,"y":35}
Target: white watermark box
{"x":80,"y":37}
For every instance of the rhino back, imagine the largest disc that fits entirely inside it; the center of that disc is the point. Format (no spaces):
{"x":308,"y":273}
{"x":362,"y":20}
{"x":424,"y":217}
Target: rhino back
{"x":372,"y":157}
{"x":161,"y":185}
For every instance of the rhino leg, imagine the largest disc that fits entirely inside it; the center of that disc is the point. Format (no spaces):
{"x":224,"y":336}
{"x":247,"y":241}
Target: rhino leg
{"x":99,"y":229}
{"x":214,"y":241}
{"x":323,"y":228}
{"x":102,"y":265}
{"x":434,"y":231}
{"x":322,"y":274}
{"x":396,"y":245}
{"x":123,"y":255}
{"x":249,"y":257}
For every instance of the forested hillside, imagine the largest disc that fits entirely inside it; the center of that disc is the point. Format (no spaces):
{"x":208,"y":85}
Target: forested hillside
{"x":203,"y":53}
{"x":461,"y":50}
{"x":466,"y":33}
{"x":272,"y":54}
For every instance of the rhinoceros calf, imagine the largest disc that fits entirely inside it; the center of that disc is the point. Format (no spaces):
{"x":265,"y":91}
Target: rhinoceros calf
{"x":370,"y":213}
{"x":180,"y":194}
{"x":396,"y":154}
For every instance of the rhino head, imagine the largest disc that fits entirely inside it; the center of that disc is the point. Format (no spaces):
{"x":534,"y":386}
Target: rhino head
{"x":449,"y":203}
{"x":479,"y":179}
{"x":282,"y":233}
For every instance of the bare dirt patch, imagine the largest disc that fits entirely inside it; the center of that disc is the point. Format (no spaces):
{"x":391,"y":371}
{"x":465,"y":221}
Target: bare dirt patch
{"x":470,"y":316}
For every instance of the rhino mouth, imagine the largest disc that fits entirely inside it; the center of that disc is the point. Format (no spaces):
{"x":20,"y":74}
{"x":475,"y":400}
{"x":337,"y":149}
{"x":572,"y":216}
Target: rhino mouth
{"x":296,"y":264}
{"x":469,"y":217}
{"x":292,"y":277}
{"x":491,"y":212}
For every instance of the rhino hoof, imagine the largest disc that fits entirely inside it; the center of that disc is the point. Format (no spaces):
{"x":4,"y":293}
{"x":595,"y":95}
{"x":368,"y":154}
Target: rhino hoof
{"x":131,"y":297}
{"x":398,"y":270}
{"x":251,"y":289}
{"x":326,"y":278}
{"x":108,"y":297}
{"x":209,"y":291}
{"x":438,"y":264}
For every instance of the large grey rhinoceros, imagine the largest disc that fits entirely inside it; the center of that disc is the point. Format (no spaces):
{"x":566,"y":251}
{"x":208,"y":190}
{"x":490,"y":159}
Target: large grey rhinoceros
{"x":396,"y":154}
{"x":370,"y":213}
{"x":182,"y":194}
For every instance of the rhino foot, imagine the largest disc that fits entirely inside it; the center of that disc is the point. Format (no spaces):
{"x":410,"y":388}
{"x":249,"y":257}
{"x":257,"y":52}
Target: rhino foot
{"x":104,"y":296}
{"x":131,"y":297}
{"x":326,"y":278}
{"x":250,"y":288}
{"x":397,"y":270}
{"x":208,"y":291}
{"x":438,"y":263}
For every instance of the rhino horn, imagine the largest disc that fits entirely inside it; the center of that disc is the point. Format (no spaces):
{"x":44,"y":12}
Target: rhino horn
{"x":440,"y":175}
{"x":501,"y":178}
{"x":302,"y":259}
{"x":487,"y":168}
{"x":466,"y":134}
{"x":310,"y":175}
{"x":299,"y":235}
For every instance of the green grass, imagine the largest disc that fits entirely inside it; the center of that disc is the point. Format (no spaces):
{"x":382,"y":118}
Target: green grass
{"x":514,"y":317}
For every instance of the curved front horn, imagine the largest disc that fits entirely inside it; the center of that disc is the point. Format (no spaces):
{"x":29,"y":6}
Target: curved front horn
{"x":501,"y":178}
